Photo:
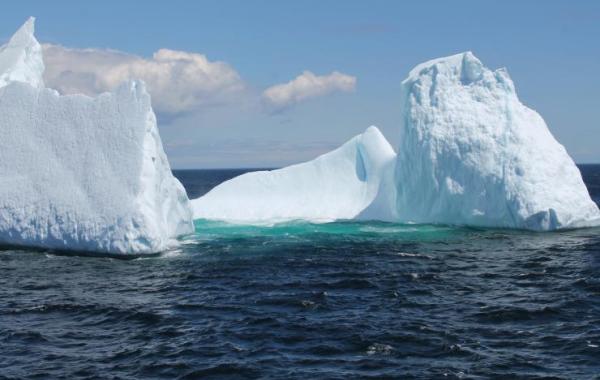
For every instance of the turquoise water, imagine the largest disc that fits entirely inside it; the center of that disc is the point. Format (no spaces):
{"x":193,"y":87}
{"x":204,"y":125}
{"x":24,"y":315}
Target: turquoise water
{"x":206,"y":229}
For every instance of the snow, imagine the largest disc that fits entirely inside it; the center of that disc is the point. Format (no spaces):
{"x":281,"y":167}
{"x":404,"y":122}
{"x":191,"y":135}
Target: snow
{"x":471,"y":153}
{"x":81,"y":173}
{"x":341,"y":184}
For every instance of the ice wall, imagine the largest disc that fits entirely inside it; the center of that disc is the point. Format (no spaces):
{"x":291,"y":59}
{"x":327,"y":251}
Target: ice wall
{"x":81,"y":173}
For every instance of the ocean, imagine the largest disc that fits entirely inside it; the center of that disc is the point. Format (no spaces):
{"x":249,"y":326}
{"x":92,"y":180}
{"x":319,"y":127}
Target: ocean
{"x":332,"y":301}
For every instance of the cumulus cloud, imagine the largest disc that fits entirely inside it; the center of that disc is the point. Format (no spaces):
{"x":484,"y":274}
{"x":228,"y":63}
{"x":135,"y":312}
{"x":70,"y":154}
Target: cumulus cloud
{"x":306,"y":86}
{"x":178,"y":81}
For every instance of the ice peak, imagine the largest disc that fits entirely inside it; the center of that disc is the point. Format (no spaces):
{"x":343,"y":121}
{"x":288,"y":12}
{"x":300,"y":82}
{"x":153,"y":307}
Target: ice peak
{"x":375,"y":147}
{"x":24,"y":33}
{"x":374,"y":131}
{"x":21,"y":58}
{"x":465,"y":65}
{"x":472,"y":68}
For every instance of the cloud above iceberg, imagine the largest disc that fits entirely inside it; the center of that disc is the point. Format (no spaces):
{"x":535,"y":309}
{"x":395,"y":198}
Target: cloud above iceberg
{"x":306,"y":86}
{"x":178,"y":81}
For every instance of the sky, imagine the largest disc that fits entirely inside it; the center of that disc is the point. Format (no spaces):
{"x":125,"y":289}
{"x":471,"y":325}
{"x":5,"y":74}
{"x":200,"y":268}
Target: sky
{"x":270,"y":83}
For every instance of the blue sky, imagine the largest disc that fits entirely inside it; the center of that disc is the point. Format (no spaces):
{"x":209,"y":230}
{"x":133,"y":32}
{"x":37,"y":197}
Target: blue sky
{"x":550,"y":48}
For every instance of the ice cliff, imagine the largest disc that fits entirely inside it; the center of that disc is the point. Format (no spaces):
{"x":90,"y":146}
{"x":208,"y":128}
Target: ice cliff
{"x":81,"y":173}
{"x":341,"y":184}
{"x":472,"y":154}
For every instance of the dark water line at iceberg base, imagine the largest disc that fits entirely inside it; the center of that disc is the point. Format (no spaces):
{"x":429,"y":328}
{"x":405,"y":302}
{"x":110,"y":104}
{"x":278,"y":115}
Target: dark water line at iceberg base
{"x":333,"y":301}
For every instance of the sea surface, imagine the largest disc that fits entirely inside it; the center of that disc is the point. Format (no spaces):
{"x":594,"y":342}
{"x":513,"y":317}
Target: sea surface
{"x":303,"y":301}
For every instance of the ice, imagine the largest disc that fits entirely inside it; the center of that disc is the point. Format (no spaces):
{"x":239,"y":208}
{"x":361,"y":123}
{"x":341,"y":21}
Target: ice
{"x":21,"y":58}
{"x":81,"y":173}
{"x":341,"y":184}
{"x":471,"y":153}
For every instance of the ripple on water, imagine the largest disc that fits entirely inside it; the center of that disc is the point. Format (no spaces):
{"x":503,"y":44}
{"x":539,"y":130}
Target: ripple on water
{"x":338,"y":300}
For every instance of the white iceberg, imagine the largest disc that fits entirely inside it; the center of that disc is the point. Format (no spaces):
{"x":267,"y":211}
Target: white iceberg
{"x":81,"y":173}
{"x":343,"y":184}
{"x":90,"y":174}
{"x":472,"y":154}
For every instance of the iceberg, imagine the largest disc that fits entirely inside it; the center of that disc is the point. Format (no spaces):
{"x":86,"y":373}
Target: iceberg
{"x":345,"y":183}
{"x":90,"y":174}
{"x":472,"y":154}
{"x":82,"y":173}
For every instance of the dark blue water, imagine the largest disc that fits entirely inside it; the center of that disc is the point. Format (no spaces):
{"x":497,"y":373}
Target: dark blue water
{"x":333,"y":301}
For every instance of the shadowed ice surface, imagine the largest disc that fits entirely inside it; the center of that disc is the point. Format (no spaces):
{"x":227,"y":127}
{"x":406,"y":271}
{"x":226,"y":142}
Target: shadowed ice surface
{"x":339,"y":300}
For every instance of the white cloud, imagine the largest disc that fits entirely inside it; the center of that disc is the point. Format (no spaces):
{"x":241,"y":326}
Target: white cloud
{"x":178,"y":81}
{"x":306,"y":86}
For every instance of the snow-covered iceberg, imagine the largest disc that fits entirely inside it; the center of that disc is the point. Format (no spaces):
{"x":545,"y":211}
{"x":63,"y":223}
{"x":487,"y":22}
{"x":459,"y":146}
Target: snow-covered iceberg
{"x":343,"y":184}
{"x":472,"y":154}
{"x":81,"y":173}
